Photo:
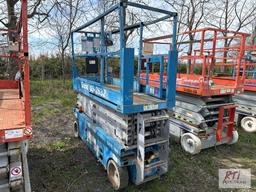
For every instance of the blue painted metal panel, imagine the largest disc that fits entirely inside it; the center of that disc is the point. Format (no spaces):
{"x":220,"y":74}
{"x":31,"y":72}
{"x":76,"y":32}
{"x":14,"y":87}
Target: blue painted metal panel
{"x":82,"y":125}
{"x":174,"y":33}
{"x":171,"y":77}
{"x":102,"y":50}
{"x":147,"y":77}
{"x":100,"y":142}
{"x":172,"y":66}
{"x":154,"y":59}
{"x":139,"y":57}
{"x":92,"y":88}
{"x":74,"y":68}
{"x":160,"y":95}
{"x":127,"y":74}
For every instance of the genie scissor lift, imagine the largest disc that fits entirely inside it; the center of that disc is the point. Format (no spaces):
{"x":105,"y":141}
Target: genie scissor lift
{"x":246,"y":102}
{"x":204,"y":113}
{"x":125,"y":127}
{"x":15,"y":112}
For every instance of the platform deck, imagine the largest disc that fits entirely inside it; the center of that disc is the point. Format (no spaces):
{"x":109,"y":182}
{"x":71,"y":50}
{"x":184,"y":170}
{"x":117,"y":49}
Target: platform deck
{"x":139,"y":98}
{"x":12,"y":114}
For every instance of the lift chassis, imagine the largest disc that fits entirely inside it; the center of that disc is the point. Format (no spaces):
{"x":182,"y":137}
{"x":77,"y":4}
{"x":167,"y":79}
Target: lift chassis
{"x":246,"y":111}
{"x":125,"y":127}
{"x":197,"y":123}
{"x":124,"y":148}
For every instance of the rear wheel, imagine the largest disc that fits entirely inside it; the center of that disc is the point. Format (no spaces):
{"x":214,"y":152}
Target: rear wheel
{"x":118,"y":176}
{"x":234,"y":138}
{"x":76,"y":129}
{"x":249,"y":124}
{"x":191,"y":143}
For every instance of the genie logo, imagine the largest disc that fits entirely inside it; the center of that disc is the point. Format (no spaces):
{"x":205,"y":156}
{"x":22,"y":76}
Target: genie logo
{"x":101,"y":92}
{"x":234,"y":178}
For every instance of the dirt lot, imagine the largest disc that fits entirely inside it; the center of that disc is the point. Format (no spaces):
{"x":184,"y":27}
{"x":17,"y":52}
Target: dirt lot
{"x":60,"y":163}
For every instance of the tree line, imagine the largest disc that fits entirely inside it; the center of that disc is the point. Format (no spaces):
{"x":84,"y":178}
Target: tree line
{"x":57,"y":18}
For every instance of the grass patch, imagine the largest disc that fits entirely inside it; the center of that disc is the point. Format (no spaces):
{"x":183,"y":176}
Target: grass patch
{"x":40,"y":114}
{"x":52,"y":90}
{"x":51,"y":97}
{"x":58,"y":145}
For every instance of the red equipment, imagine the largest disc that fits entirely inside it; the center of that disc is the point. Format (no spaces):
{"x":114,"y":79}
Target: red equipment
{"x":215,"y":59}
{"x":15,"y":110}
{"x":211,"y":69}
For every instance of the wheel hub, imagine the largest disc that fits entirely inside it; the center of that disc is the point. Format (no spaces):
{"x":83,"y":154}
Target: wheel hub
{"x":249,"y":124}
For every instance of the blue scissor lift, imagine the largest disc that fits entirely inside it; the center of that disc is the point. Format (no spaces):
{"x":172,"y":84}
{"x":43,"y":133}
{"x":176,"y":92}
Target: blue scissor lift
{"x":125,"y":127}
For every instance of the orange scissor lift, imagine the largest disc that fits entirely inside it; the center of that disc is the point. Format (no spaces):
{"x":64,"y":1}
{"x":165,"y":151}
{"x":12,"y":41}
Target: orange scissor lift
{"x":15,"y":111}
{"x":246,"y":102}
{"x":209,"y":74}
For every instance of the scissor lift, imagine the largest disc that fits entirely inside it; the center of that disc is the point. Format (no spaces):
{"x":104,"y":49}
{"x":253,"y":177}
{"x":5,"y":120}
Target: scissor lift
{"x":15,"y":112}
{"x":204,"y":113}
{"x":246,"y":102}
{"x":126,"y":128}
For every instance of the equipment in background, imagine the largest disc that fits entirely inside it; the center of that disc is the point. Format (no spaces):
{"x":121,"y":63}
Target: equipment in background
{"x":125,"y":128}
{"x":246,"y":102}
{"x":15,"y":109}
{"x":208,"y":76}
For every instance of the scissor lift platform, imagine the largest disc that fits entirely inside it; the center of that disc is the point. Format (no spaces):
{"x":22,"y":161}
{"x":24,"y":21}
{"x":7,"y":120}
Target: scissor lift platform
{"x":15,"y":109}
{"x":209,"y":74}
{"x":125,"y":127}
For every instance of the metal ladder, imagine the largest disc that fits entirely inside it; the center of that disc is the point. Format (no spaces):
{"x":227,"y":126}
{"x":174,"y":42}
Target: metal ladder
{"x":157,"y":162}
{"x":229,"y":124}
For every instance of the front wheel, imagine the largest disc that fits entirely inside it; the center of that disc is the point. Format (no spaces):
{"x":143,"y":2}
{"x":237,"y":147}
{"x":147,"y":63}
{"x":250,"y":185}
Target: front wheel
{"x":234,"y":138}
{"x":76,"y":129}
{"x":191,"y":143}
{"x":249,"y":124}
{"x":118,"y":176}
